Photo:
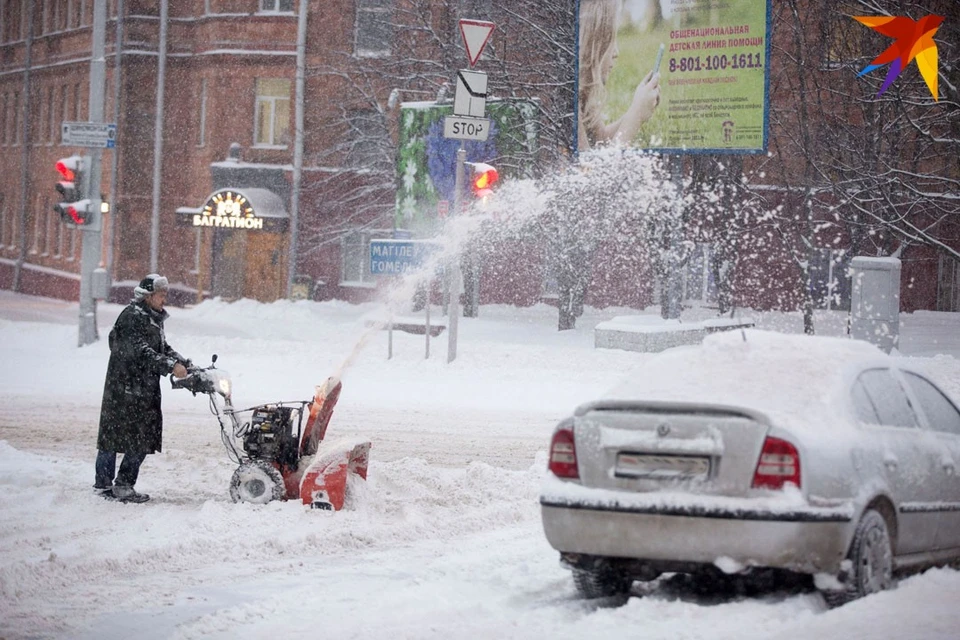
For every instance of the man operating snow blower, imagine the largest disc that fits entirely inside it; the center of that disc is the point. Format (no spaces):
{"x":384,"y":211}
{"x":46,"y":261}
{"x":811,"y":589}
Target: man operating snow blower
{"x":131,"y":420}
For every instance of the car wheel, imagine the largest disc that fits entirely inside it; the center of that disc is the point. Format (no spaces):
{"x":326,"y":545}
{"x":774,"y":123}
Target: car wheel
{"x":601,"y":582}
{"x":258,"y":482}
{"x":871,"y":557}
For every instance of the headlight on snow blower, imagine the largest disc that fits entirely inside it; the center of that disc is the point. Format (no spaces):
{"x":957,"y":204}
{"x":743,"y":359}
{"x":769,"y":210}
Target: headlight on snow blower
{"x":222,"y":384}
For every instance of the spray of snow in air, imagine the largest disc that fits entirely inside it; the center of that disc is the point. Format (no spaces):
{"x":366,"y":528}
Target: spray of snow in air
{"x":616,"y":204}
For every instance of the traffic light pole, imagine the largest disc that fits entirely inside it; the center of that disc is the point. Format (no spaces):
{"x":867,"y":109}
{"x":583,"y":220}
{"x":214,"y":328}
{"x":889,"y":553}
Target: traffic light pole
{"x":92,"y":233}
{"x":453,"y":316}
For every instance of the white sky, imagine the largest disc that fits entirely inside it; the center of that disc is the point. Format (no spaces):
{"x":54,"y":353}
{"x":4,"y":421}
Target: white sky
{"x":443,"y":541}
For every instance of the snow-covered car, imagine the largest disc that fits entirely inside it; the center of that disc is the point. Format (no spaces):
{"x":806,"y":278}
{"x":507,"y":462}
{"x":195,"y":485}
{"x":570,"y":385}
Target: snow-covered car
{"x":812,"y":455}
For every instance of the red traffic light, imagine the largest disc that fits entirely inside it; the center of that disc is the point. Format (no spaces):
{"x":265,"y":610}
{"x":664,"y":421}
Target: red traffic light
{"x":74,"y":212}
{"x":67,"y":167}
{"x":484,"y":178}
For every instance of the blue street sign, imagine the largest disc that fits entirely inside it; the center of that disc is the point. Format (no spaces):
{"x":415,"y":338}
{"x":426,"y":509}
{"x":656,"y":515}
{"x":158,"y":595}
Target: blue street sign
{"x":396,"y":257}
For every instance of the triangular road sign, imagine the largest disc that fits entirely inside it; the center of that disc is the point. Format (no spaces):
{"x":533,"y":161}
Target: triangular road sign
{"x":475,"y":34}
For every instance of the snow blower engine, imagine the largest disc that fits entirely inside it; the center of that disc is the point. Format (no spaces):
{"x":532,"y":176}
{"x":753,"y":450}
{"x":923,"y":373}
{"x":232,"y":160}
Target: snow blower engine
{"x":282,"y":456}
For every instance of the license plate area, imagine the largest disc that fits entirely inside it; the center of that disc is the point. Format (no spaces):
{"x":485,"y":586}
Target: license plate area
{"x":662,"y":466}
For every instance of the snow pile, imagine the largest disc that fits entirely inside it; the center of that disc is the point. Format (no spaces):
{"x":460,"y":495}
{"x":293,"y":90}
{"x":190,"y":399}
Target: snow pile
{"x":796,"y":380}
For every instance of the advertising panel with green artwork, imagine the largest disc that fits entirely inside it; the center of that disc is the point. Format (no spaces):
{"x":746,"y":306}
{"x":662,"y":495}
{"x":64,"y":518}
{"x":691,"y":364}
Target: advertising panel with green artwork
{"x":426,"y":160}
{"x":680,"y":76}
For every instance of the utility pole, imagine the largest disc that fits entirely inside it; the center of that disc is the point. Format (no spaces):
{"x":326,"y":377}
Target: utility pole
{"x":298,"y":135}
{"x":158,"y":138}
{"x":93,"y":233}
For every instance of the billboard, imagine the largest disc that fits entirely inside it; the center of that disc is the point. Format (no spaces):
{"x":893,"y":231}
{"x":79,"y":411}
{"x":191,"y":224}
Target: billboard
{"x":677,"y":76}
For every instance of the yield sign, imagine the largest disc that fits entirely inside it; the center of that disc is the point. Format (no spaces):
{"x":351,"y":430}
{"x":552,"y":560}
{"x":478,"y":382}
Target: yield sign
{"x":475,"y":34}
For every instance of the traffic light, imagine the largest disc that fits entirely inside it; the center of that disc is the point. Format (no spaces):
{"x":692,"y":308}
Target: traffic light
{"x":74,"y":207}
{"x":484,"y":178}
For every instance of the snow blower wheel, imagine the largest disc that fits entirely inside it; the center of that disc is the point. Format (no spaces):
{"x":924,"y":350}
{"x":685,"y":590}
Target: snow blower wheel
{"x":257,"y":481}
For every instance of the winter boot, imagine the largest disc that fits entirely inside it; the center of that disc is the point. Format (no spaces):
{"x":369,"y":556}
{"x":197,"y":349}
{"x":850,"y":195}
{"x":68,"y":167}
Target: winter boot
{"x":124,"y":493}
{"x":104,"y":491}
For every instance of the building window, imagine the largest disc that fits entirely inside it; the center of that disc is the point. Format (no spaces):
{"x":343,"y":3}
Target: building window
{"x":40,"y":123}
{"x":64,"y":107}
{"x":61,"y":231}
{"x":12,"y":238}
{"x":948,"y":284}
{"x":38,"y":223}
{"x":355,"y":257}
{"x":698,"y":281}
{"x":75,"y":13}
{"x":550,"y":287}
{"x":830,"y":279}
{"x":10,"y":219}
{"x":374,"y":28}
{"x":4,"y":223}
{"x":479,"y":9}
{"x":276,"y":6}
{"x":841,"y":40}
{"x":15,"y":138}
{"x":365,"y":142}
{"x":56,"y":15}
{"x":77,"y":103}
{"x":202,"y":129}
{"x":73,"y":245}
{"x":272,"y":113}
{"x":5,"y":120}
{"x":52,"y":114}
{"x":46,"y":214}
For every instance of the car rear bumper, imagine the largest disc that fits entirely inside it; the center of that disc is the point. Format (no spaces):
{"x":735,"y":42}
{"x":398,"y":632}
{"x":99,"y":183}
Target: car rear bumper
{"x":809,"y":540}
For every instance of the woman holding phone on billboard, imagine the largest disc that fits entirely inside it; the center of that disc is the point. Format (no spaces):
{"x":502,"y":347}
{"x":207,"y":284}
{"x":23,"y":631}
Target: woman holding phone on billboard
{"x":599,"y":20}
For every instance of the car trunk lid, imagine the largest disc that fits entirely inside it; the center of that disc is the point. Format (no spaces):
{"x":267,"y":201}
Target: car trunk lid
{"x":705,"y":449}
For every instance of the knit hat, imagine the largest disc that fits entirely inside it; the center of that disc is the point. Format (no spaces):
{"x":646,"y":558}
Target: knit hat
{"x":150,"y":284}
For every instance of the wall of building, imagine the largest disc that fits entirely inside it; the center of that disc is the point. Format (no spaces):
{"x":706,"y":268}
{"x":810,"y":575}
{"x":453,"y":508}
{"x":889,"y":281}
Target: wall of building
{"x":225,"y":49}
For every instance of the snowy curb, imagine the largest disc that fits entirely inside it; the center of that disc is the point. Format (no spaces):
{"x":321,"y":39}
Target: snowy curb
{"x":650,"y":334}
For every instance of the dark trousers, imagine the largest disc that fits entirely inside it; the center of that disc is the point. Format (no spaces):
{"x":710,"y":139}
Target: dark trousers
{"x":107,"y":466}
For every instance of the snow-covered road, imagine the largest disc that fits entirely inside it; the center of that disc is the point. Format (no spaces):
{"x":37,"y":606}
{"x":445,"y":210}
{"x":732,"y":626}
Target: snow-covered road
{"x":442,"y":541}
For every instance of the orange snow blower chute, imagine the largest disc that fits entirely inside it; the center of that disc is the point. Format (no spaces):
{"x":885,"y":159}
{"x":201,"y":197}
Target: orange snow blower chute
{"x":280,"y":461}
{"x":321,"y":480}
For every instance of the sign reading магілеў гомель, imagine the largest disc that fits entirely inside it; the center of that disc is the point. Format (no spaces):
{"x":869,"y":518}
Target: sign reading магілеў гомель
{"x":396,"y":257}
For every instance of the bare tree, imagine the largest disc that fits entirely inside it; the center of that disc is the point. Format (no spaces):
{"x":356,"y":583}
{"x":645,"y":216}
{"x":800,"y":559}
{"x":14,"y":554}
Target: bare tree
{"x":412,"y":51}
{"x":611,"y":206}
{"x":897,"y":164}
{"x":872,"y":173}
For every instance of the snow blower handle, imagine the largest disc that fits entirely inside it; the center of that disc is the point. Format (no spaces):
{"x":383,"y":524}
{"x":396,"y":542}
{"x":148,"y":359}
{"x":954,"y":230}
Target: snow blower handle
{"x":200,"y":380}
{"x":195,"y":382}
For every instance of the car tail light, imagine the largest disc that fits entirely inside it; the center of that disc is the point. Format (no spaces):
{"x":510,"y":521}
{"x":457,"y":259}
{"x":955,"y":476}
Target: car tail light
{"x":563,"y":454}
{"x":779,"y":464}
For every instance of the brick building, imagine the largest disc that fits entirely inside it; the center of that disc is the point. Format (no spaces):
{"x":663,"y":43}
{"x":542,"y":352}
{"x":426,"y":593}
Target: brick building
{"x":229,"y":104}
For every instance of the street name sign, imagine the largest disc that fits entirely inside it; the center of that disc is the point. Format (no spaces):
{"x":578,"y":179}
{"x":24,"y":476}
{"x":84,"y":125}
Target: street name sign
{"x":88,"y":134}
{"x":471,"y":96}
{"x":476,"y":34}
{"x":395,"y":257}
{"x":462,"y":128}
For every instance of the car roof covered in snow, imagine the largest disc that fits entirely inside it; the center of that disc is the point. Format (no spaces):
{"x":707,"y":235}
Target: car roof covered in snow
{"x":785,"y":376}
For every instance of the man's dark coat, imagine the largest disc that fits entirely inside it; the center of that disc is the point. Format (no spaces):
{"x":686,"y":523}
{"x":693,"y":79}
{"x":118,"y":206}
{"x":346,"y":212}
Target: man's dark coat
{"x":130,"y":416}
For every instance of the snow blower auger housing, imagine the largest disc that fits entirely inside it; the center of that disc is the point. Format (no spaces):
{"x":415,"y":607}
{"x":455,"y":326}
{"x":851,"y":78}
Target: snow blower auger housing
{"x":283,"y":457}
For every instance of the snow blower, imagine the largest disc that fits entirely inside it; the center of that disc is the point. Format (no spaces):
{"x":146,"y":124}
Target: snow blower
{"x":282,"y":458}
